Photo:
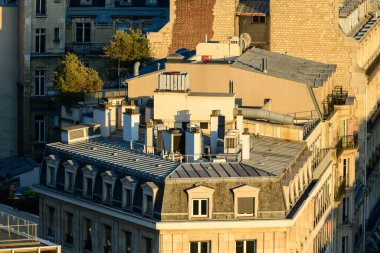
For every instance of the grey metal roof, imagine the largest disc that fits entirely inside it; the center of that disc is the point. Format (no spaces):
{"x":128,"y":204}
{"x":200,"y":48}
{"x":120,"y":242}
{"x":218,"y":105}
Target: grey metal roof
{"x":252,"y":8}
{"x":273,"y":155}
{"x":216,"y":170}
{"x":15,"y":166}
{"x":285,"y":66}
{"x":366,"y":28}
{"x":116,"y":156}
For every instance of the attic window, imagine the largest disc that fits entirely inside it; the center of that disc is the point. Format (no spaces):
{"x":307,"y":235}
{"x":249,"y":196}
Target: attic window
{"x":259,"y":20}
{"x":246,"y":201}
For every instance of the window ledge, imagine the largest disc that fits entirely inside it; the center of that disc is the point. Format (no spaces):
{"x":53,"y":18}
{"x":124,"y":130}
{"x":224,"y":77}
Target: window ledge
{"x":41,"y":16}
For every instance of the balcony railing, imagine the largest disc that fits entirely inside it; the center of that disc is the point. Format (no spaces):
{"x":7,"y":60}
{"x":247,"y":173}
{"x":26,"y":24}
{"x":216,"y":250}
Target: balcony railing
{"x":346,"y":142}
{"x":86,"y":48}
{"x":337,"y":97}
{"x":340,"y":187}
{"x":14,"y":229}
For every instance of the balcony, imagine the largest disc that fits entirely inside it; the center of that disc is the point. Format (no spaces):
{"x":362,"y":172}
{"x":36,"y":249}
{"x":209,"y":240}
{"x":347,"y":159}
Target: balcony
{"x":374,"y":162}
{"x":14,"y":230}
{"x":373,"y":117}
{"x":86,"y":48}
{"x":346,"y":142}
{"x":340,"y":187}
{"x":337,"y":97}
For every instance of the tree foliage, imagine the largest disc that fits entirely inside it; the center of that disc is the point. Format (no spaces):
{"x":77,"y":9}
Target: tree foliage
{"x":72,"y":76}
{"x":128,"y":47}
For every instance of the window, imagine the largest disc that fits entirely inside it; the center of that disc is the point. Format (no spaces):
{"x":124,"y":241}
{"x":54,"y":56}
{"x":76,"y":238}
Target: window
{"x":246,"y":246}
{"x":69,"y":239}
{"x":56,"y":34}
{"x":128,"y":241}
{"x":40,"y":40}
{"x":40,"y":7}
{"x":200,"y":247}
{"x":200,"y":207}
{"x":88,"y":187}
{"x":246,"y":206}
{"x":148,"y":205}
{"x":128,"y":198}
{"x":125,"y":2}
{"x":344,"y":244}
{"x":83,"y":32}
{"x":51,"y":175}
{"x":108,"y":192}
{"x":346,"y":167}
{"x":39,"y":129}
{"x":204,"y":125}
{"x":107,"y":243}
{"x":69,"y":181}
{"x":39,"y":83}
{"x":345,"y":210}
{"x":87,"y":227}
{"x":50,"y":226}
{"x":147,"y":245}
{"x":259,"y":20}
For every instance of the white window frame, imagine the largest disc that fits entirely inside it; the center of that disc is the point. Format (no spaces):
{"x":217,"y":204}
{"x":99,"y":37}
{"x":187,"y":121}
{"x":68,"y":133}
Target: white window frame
{"x":245,"y":245}
{"x":41,"y":34}
{"x":39,"y":7}
{"x":246,"y":191}
{"x":40,"y":124}
{"x":199,"y":246}
{"x":149,"y":189}
{"x":52,"y":161}
{"x":200,"y":192}
{"x":82,"y":24}
{"x":40,"y":81}
{"x":200,"y":208}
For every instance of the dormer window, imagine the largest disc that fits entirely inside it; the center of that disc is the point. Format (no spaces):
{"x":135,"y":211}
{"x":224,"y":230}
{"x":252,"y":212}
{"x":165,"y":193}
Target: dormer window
{"x":129,"y":186}
{"x":109,"y":178}
{"x":89,"y":174}
{"x":200,"y":199}
{"x":149,"y":197}
{"x":52,"y":163}
{"x":70,"y":172}
{"x":246,"y":201}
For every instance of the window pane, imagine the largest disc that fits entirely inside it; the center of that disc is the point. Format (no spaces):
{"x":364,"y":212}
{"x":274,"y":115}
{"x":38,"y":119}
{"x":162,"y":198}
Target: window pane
{"x":239,"y":246}
{"x":195,"y":207}
{"x":203,"y":207}
{"x":204,"y":247}
{"x":79,"y":32}
{"x":89,"y":187}
{"x":250,"y":246}
{"x":128,"y":241}
{"x":194,"y":247}
{"x":87,"y":32}
{"x":43,"y":42}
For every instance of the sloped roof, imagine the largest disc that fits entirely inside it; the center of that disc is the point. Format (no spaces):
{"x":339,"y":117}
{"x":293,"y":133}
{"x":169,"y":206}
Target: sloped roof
{"x":252,"y":8}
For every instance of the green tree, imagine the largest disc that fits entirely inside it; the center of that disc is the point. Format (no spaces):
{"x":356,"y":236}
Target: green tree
{"x":72,"y":79}
{"x":129,"y":48}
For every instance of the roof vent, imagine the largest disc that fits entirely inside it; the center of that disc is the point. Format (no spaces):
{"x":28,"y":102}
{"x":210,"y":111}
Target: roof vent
{"x":159,"y":165}
{"x":114,"y":153}
{"x":136,"y":159}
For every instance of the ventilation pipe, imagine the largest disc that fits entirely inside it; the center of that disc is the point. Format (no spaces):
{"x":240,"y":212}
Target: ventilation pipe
{"x":149,"y":138}
{"x":193,"y":148}
{"x":131,"y":121}
{"x":136,"y":68}
{"x":246,"y":144}
{"x":267,"y":115}
{"x":214,"y":120}
{"x":264,"y":65}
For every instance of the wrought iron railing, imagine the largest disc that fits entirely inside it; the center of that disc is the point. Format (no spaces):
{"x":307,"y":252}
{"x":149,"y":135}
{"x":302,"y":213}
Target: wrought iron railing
{"x":346,"y":142}
{"x":337,"y":97}
{"x":340,"y":187}
{"x":86,"y":48}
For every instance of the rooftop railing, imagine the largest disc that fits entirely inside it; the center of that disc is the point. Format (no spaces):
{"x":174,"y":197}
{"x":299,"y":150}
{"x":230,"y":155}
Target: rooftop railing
{"x":86,"y":48}
{"x":14,"y":229}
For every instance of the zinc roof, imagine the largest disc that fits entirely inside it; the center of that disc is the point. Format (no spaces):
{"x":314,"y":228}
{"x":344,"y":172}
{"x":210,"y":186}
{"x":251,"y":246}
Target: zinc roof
{"x":252,"y":8}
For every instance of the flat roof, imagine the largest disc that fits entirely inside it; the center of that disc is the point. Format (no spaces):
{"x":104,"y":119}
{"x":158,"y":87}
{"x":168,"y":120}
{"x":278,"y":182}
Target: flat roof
{"x":211,"y":94}
{"x":116,"y":155}
{"x":273,"y":155}
{"x":285,"y":67}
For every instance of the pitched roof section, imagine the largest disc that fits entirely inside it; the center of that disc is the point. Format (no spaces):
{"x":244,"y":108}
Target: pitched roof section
{"x":285,"y":67}
{"x":119,"y":157}
{"x":216,"y":170}
{"x":252,"y":8}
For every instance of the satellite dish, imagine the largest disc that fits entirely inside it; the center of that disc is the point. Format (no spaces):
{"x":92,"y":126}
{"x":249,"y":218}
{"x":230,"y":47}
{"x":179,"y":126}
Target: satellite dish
{"x":246,"y":40}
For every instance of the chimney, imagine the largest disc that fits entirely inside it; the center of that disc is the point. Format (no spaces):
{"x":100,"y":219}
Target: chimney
{"x":131,"y":120}
{"x":149,"y":138}
{"x":239,"y":122}
{"x":267,"y":104}
{"x":214,"y":120}
{"x":246,"y":144}
{"x":102,"y":116}
{"x":193,"y":149}
{"x":136,"y":68}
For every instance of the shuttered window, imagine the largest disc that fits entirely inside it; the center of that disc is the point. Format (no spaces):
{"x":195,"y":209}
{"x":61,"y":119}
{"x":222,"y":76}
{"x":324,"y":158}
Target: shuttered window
{"x":246,"y":206}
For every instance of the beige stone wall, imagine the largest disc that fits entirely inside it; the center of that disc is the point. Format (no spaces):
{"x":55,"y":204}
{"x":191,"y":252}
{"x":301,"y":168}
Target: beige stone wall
{"x":190,"y":22}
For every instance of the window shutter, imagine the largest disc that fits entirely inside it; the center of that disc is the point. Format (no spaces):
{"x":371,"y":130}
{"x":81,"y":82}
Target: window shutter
{"x":246,"y":205}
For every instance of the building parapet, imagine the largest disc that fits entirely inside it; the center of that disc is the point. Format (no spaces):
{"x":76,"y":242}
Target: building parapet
{"x":321,"y":162}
